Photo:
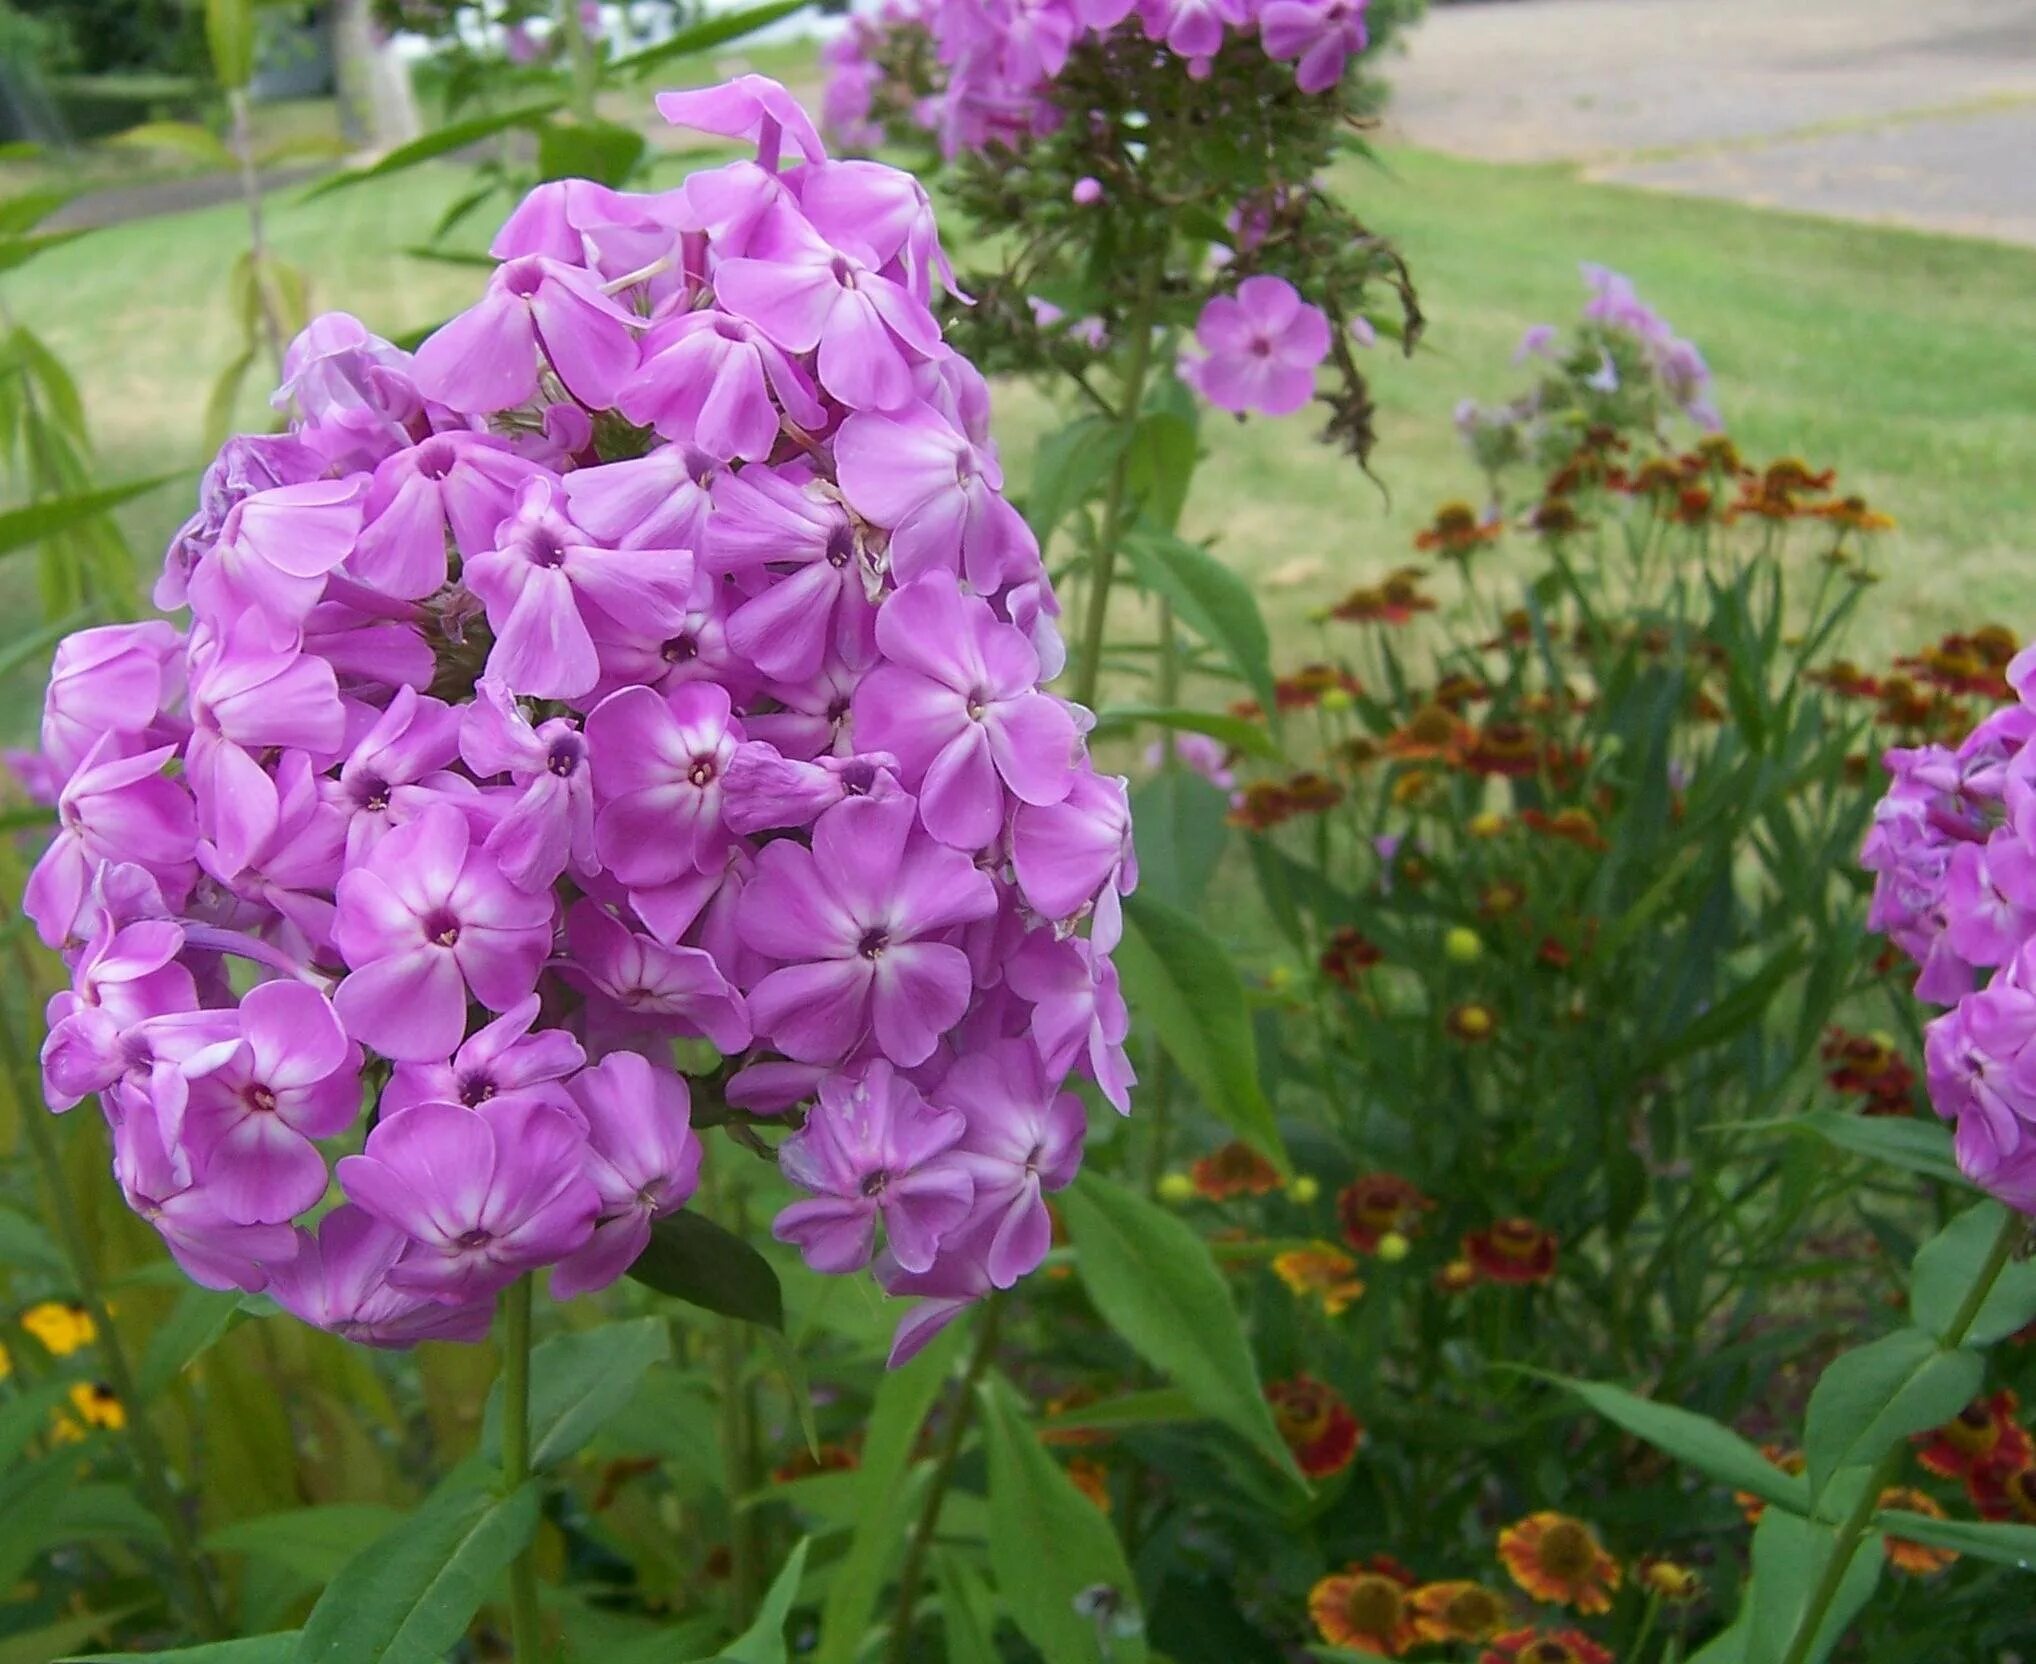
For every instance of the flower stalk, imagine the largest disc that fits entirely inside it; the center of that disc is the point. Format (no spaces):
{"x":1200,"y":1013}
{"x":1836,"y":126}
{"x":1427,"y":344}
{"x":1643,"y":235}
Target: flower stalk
{"x":525,"y":1624}
{"x":1856,"y":1523}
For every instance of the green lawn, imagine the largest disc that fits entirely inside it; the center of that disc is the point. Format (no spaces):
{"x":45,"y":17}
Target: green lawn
{"x":1894,"y":357}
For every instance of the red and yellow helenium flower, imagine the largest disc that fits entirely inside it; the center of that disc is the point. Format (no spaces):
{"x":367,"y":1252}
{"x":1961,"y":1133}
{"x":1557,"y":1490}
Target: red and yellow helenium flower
{"x":1545,"y":1646}
{"x":1556,"y":1557}
{"x":1235,"y":1170}
{"x":1316,"y":1423}
{"x":1365,"y":1607}
{"x":1512,"y":1251}
{"x":1325,"y":1272}
{"x":1457,"y":1611}
{"x":1379,"y":1205}
{"x":1915,"y":1559}
{"x":1983,"y":1434}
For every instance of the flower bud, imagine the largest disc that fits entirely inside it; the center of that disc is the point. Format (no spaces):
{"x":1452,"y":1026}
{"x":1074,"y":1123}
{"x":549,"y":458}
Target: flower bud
{"x":1393,"y":1247}
{"x":1305,"y":1189}
{"x":1175,"y":1189}
{"x":1462,"y":945}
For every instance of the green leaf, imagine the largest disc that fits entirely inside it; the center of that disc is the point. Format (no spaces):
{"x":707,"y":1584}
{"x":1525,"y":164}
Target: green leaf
{"x":39,"y":1646}
{"x":764,"y":1641}
{"x":2005,"y":1544}
{"x":25,"y":210}
{"x":1915,"y":1146}
{"x":1051,"y":1549}
{"x":1789,"y":1557}
{"x":577,"y":1383}
{"x":19,"y":250}
{"x":29,"y":1498}
{"x":708,"y":34}
{"x":198,"y":1319}
{"x":1696,"y":1441}
{"x":453,"y":136}
{"x":1212,"y":601}
{"x":219,"y":403}
{"x":315,"y":1543}
{"x":201,"y":144}
{"x":1161,"y":464}
{"x":1950,"y":1263}
{"x":25,"y":1416}
{"x":1132,"y":1409}
{"x":230,"y":37}
{"x":23,"y":528}
{"x":1872,"y":1398}
{"x":26,"y":1246}
{"x":600,"y":151}
{"x":1178,"y":978}
{"x":252,"y":1649}
{"x":1154,"y":1282}
{"x":107,"y":1512}
{"x":695,"y":1260}
{"x":410,"y":1595}
{"x":1180,"y":827}
{"x":1239,"y":733}
{"x":967,"y":1612}
{"x":884,"y":1498}
{"x":1067,"y":467}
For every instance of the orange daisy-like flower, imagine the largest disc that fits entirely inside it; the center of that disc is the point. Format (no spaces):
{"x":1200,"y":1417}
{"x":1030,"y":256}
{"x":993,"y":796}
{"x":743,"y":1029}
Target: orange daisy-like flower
{"x":1395,"y":599}
{"x":2001,"y":1493}
{"x":1789,"y":1461}
{"x":1316,"y":1424}
{"x":1456,"y":1277}
{"x":1327,"y":1273}
{"x":1377,"y":1205}
{"x":1984,"y":1434}
{"x":1915,"y":1559}
{"x":1846,"y":679}
{"x":1854,"y":515}
{"x":1572,"y":825}
{"x":1457,"y":1611}
{"x":1456,"y":531}
{"x":1366,"y":1607}
{"x":1458,"y":689}
{"x":1868,"y":1066}
{"x":1556,"y":1557}
{"x":93,"y":1406}
{"x":1307,"y":686}
{"x":1348,"y":955}
{"x":1500,"y":897}
{"x":1545,"y":1646}
{"x":1092,"y":1479}
{"x":1507,"y":749}
{"x":1234,"y":1170}
{"x":1512,"y":1251}
{"x":1313,"y":794}
{"x":1261,"y":806}
{"x":1471,"y":1023}
{"x":1433,"y":734}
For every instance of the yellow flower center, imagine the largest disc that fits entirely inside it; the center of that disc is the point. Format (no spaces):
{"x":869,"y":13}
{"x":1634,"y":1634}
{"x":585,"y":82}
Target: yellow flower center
{"x":1375,"y":1605}
{"x":1566,"y":1551}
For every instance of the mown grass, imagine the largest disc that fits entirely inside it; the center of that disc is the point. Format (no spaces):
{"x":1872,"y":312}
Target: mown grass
{"x":1892,"y":356}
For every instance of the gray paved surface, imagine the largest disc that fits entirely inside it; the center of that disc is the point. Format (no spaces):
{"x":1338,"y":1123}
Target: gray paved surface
{"x":1919,"y":112}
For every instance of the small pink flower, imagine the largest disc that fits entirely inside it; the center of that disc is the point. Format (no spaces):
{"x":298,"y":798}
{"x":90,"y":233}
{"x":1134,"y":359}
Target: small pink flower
{"x":1263,"y":344}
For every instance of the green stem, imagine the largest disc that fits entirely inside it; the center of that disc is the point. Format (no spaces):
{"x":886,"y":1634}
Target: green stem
{"x":1110,"y":535}
{"x":150,"y":1463}
{"x":526,"y":1632}
{"x":913,"y":1570}
{"x":1854,"y":1528}
{"x":1647,"y":1619}
{"x":273,"y":332}
{"x":586,"y":68}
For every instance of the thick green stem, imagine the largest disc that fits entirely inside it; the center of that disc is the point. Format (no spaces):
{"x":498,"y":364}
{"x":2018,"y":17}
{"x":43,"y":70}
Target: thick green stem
{"x":526,"y":1627}
{"x":913,"y":1570}
{"x":150,"y":1463}
{"x":1855,"y":1525}
{"x":1116,"y":497}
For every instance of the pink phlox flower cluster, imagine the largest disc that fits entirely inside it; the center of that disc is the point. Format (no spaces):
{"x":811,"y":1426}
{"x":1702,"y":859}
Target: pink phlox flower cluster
{"x":998,"y":57}
{"x":652,"y":657}
{"x":1953,"y":854}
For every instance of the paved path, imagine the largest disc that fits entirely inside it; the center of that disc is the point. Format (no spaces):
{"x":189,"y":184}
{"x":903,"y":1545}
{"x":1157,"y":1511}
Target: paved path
{"x":1919,"y":112}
